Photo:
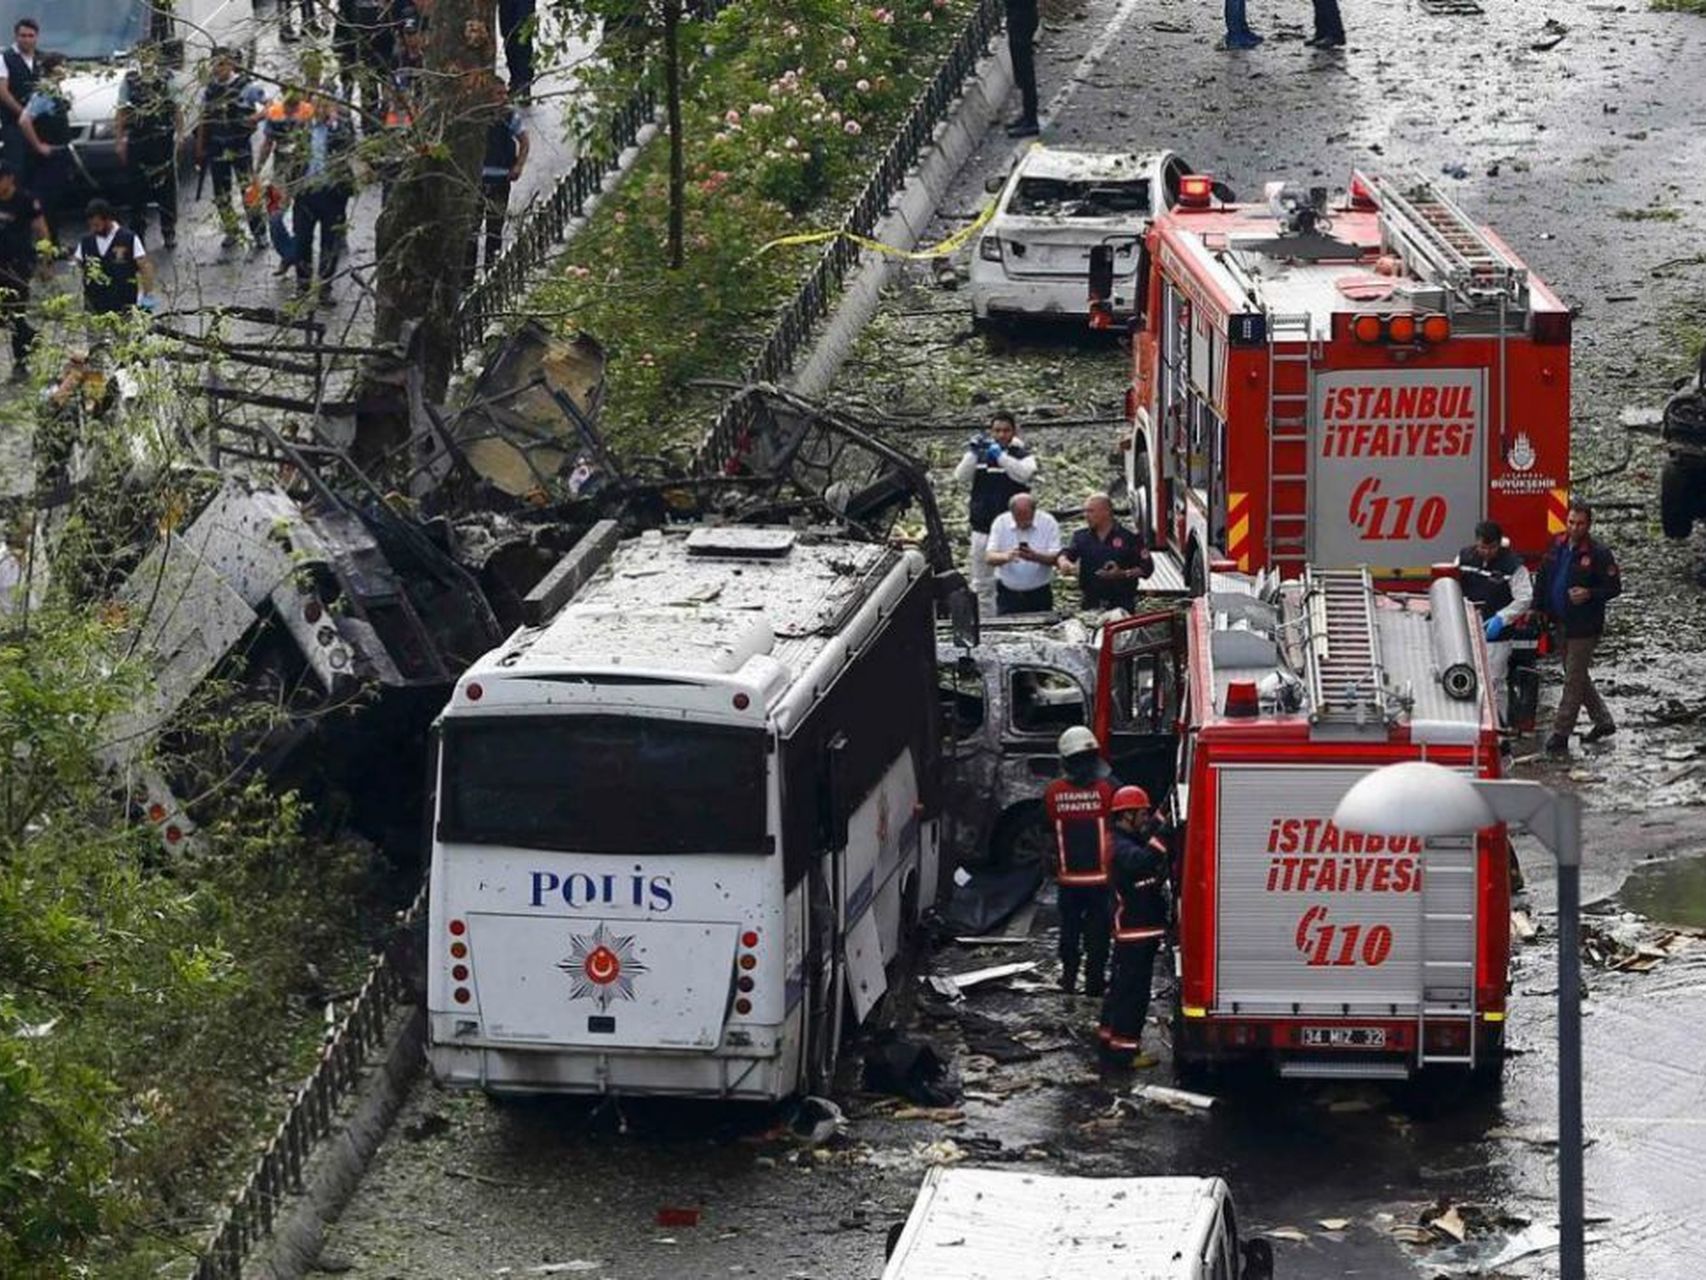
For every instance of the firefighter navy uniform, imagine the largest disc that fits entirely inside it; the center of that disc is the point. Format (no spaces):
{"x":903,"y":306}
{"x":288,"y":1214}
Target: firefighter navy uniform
{"x":1139,"y":874}
{"x":1078,"y":814}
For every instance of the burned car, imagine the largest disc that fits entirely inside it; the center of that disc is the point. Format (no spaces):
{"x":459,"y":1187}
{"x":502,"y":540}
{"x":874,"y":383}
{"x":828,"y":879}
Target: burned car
{"x":1007,"y":698}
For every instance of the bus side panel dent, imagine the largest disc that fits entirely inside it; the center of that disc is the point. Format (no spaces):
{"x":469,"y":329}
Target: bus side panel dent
{"x":866,"y":980}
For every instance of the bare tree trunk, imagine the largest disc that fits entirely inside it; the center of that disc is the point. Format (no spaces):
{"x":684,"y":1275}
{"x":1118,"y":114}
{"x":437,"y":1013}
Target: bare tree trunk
{"x":430,"y":213}
{"x":677,"y":143}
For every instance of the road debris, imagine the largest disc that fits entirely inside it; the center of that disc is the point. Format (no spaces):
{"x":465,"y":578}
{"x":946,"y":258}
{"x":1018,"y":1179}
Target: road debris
{"x":954,"y":986}
{"x":1178,"y":1099}
{"x":817,"y":1120}
{"x":910,"y":1069}
{"x":1289,"y":1234}
{"x":1332,"y":1224}
{"x":1450,"y":1223}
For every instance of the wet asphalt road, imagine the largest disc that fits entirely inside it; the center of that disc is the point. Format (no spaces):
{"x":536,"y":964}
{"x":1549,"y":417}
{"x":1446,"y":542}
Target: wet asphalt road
{"x":1608,"y":121}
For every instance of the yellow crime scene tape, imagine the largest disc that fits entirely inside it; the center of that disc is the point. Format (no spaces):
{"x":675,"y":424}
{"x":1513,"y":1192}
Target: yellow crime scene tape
{"x":953,"y":242}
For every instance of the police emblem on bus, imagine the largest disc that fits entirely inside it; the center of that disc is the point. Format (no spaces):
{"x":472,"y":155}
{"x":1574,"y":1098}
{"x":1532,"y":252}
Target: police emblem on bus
{"x":601,"y":967}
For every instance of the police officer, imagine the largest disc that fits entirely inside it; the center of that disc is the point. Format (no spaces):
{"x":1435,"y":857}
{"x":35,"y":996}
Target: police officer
{"x":22,"y":227}
{"x":1139,"y":873}
{"x":506,"y":154}
{"x":1497,"y":582}
{"x":114,"y":262}
{"x":46,"y":128}
{"x":364,"y":40}
{"x":996,"y":465}
{"x":322,"y":199}
{"x":517,"y":21}
{"x":1022,"y":22}
{"x":16,"y":86}
{"x":229,"y":107}
{"x":1077,"y":807}
{"x":146,"y":127}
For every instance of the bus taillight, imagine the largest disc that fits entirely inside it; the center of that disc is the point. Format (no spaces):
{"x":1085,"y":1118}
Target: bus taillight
{"x":458,"y":928}
{"x":749,"y":939}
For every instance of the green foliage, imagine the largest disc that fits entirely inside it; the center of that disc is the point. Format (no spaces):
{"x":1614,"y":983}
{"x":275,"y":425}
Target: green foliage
{"x":151,"y":1004}
{"x":784,"y":114}
{"x":1681,"y":6}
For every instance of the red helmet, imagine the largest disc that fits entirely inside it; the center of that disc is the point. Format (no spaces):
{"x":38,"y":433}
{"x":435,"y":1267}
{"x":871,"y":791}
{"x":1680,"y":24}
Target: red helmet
{"x":1127,"y":798}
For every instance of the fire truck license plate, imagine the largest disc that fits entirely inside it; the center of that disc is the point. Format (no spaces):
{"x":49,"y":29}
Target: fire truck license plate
{"x":1345,"y":1037}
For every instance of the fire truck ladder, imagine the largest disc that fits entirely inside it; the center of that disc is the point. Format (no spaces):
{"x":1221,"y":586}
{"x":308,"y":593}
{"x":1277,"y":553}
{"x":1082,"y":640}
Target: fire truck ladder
{"x":1440,"y":242}
{"x":1446,"y":945}
{"x":1347,"y":681}
{"x":1291,"y":399}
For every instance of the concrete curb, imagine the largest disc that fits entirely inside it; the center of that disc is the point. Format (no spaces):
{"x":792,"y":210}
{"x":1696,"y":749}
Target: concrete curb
{"x":340,"y":1161}
{"x":956,"y":139}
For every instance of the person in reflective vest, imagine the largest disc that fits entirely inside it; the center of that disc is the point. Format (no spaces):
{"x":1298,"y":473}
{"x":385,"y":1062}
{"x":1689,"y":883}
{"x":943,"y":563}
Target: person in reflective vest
{"x":1139,"y":873}
{"x":1077,"y":809}
{"x":114,"y":263}
{"x":1498,"y":584}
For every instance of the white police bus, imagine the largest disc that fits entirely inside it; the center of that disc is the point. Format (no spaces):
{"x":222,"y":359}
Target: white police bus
{"x":684,"y":822}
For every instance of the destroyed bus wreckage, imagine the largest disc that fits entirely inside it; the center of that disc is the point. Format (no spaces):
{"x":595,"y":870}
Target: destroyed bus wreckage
{"x":349,"y":595}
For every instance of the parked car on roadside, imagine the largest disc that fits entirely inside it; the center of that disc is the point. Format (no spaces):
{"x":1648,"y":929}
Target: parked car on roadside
{"x":1032,"y":262}
{"x":98,"y":37}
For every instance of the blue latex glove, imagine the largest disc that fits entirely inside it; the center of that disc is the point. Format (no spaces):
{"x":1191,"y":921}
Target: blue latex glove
{"x":149,"y":303}
{"x":1495,"y":627}
{"x":992,"y":455}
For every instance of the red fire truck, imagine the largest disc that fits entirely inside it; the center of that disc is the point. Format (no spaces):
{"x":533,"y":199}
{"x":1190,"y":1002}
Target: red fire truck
{"x":1323,"y":952}
{"x":1341,"y":385}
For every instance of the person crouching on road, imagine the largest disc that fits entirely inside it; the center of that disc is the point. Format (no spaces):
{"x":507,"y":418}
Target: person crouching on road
{"x":1139,"y":874}
{"x":1077,"y":808}
{"x":996,"y":465}
{"x":1024,"y":545}
{"x":1498,"y":584}
{"x":1577,"y":577}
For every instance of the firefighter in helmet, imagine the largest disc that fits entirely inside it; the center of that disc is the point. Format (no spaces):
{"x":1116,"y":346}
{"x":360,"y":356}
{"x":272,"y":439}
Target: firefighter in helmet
{"x":1077,"y":807}
{"x":1138,"y":870}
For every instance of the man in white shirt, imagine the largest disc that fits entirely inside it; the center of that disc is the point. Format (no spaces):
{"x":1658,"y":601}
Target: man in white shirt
{"x":1023,"y":546}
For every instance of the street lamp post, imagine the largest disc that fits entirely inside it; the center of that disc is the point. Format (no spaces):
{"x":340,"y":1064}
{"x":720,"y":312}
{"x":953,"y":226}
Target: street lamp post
{"x":1416,"y":798}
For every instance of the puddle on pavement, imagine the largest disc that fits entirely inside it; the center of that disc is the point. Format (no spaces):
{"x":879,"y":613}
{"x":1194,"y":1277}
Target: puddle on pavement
{"x":1672,"y":893}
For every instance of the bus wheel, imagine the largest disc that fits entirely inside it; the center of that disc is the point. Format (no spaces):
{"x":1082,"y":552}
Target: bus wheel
{"x":1021,"y":837}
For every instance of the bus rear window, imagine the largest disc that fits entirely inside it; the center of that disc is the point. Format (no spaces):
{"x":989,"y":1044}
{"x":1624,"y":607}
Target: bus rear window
{"x":603,"y":784}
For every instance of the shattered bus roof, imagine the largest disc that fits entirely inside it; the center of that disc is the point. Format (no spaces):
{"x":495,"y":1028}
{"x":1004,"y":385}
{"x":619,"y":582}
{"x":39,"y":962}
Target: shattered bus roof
{"x":675,"y":602}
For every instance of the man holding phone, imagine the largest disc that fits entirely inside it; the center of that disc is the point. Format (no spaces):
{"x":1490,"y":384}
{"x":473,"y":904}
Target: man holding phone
{"x":1024,"y":544}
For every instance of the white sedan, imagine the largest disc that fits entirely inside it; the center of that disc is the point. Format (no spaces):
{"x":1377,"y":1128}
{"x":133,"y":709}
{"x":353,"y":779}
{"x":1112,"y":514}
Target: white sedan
{"x":1032,"y":261}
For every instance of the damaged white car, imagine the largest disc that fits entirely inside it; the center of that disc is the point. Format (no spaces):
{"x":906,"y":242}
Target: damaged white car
{"x":1033,"y":259}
